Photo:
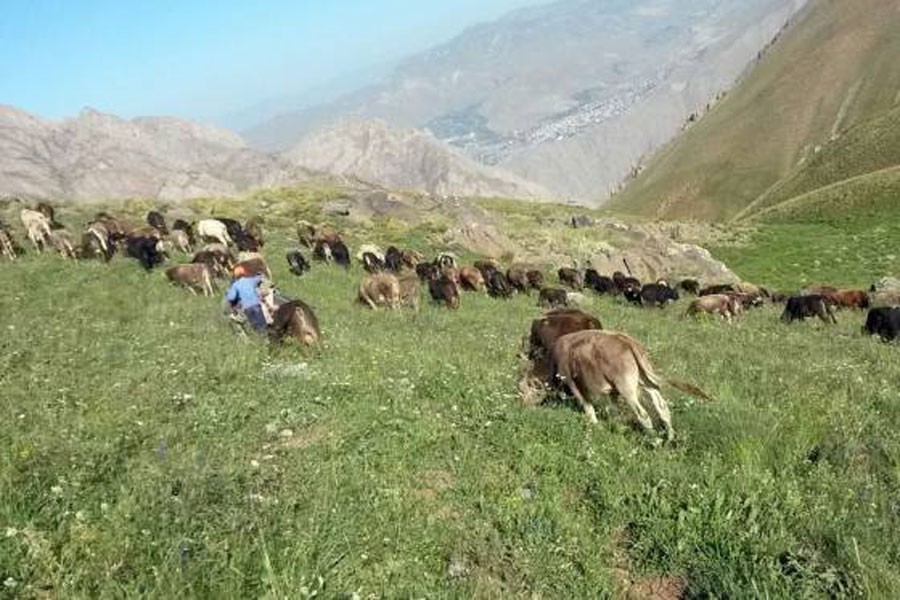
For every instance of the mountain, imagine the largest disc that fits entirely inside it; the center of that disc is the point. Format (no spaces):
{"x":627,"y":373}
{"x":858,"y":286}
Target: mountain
{"x":822,"y":107}
{"x":97,"y":156}
{"x":403,"y":159}
{"x":570,"y":95}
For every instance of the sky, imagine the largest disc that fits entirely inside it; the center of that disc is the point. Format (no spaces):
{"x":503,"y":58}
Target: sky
{"x":206,"y":59}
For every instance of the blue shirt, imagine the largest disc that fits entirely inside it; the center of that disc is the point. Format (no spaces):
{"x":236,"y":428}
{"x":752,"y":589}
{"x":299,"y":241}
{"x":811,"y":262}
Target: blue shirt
{"x":244,"y":290}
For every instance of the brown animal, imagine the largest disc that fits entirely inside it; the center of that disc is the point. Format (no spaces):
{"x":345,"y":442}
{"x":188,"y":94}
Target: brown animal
{"x":381,"y":289}
{"x":254,"y":228}
{"x":180,"y":240}
{"x":486,"y":264}
{"x":748,"y":300}
{"x":100,"y":233}
{"x":195,"y":277}
{"x":411,"y":258}
{"x":255,"y":266}
{"x":517,"y":275}
{"x":306,"y":233}
{"x":572,"y":278}
{"x":451,"y":273}
{"x":219,"y":264}
{"x":148,"y":232}
{"x":117,"y":229}
{"x":327,"y":236}
{"x":535,"y":279}
{"x":553,"y":298}
{"x":471,"y":279}
{"x":410,"y":289}
{"x":554,"y":324}
{"x":591,"y":363}
{"x":443,"y":289}
{"x":724,"y":305}
{"x":297,"y":320}
{"x":854,"y":299}
{"x":62,"y":243}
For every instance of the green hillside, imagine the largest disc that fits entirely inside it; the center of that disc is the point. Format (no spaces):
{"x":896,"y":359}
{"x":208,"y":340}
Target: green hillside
{"x":871,"y":147}
{"x":830,"y":83}
{"x":148,"y":452}
{"x":873,"y":198}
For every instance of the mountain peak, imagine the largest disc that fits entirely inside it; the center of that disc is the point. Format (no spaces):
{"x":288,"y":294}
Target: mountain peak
{"x":403,"y":158}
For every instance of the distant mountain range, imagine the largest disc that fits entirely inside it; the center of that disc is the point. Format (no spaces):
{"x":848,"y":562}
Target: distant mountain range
{"x":97,"y":156}
{"x":571,"y":95}
{"x":562,"y":102}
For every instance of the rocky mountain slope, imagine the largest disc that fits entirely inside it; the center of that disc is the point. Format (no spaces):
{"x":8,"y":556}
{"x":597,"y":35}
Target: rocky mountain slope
{"x":95,"y":156}
{"x":820,"y":108}
{"x":404,"y":159}
{"x":570,"y":95}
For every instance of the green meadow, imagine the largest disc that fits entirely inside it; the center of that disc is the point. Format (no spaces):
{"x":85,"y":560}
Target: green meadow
{"x":150,"y":452}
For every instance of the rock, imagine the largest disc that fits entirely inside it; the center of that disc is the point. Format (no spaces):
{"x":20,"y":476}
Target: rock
{"x":457,"y":568}
{"x":336,"y":207}
{"x":648,"y":253}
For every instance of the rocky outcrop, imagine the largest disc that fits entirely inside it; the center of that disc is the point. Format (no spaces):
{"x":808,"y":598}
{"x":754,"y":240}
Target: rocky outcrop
{"x":650,"y":254}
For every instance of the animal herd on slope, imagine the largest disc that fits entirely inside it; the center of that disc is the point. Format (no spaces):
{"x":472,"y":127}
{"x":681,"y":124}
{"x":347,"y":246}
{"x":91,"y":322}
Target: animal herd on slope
{"x":568,"y":350}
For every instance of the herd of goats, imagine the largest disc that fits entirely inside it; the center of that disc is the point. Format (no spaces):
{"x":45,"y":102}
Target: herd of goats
{"x":567,"y":347}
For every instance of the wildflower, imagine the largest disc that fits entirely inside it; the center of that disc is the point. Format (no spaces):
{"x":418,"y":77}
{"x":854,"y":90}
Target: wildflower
{"x":11,"y":532}
{"x":56,"y":490}
{"x":10,"y":583}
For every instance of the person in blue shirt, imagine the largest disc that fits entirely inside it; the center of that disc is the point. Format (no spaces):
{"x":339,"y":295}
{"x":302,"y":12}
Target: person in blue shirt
{"x":244,"y":294}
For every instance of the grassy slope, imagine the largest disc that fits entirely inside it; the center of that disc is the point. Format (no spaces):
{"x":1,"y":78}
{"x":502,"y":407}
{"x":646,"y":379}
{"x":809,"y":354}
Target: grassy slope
{"x":868,"y":148}
{"x":143,"y":453}
{"x":833,"y":70}
{"x":847,"y":233}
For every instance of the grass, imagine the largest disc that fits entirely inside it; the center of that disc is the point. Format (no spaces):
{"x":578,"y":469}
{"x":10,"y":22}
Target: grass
{"x":846,"y":234}
{"x":148,"y":452}
{"x":866,"y":152}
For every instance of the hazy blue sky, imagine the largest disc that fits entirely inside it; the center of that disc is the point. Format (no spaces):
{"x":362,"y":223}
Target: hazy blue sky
{"x":207,"y":58}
